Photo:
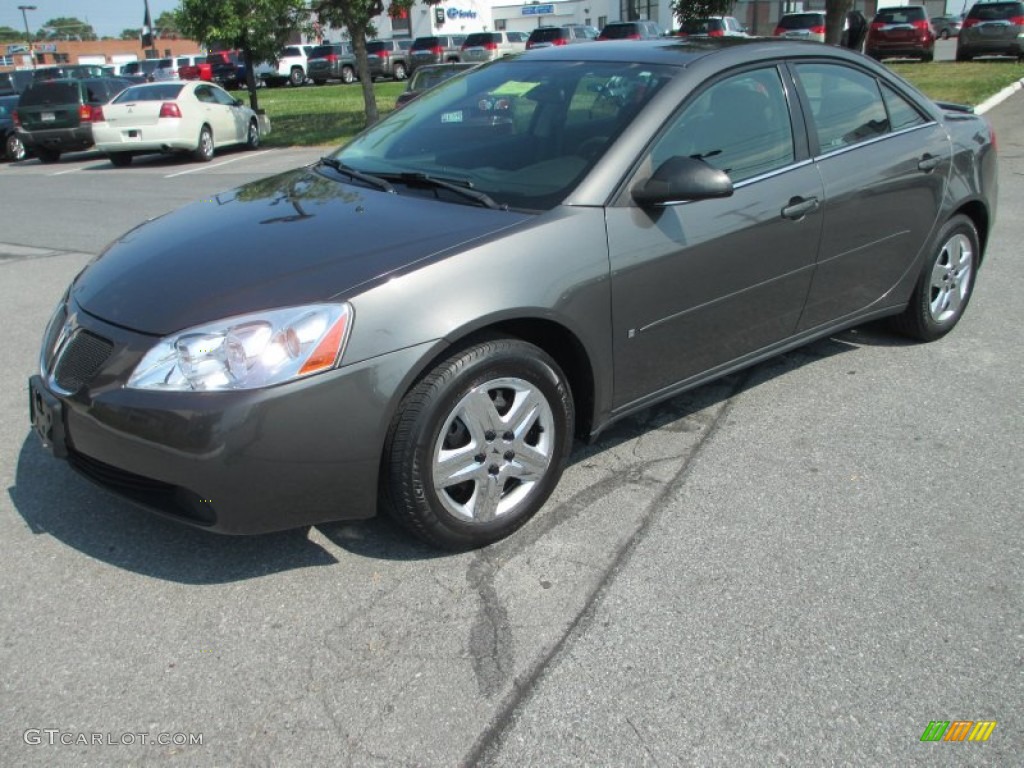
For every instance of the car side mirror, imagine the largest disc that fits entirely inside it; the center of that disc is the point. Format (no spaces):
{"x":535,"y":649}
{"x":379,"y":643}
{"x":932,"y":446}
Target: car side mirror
{"x":238,"y":102}
{"x":682,"y":179}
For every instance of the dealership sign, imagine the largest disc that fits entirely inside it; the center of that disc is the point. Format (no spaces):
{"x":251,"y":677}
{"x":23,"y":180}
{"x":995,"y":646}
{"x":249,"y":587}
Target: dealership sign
{"x":456,"y":13}
{"x":538,"y":10}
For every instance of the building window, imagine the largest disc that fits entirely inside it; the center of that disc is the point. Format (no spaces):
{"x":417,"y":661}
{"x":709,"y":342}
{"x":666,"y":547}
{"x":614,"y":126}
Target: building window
{"x":500,"y":24}
{"x":638,"y":10}
{"x":602,"y":22}
{"x":60,"y":58}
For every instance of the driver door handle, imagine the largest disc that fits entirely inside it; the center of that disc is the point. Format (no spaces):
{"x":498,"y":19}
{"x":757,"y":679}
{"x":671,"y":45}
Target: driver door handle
{"x":799,"y":207}
{"x":928,"y":163}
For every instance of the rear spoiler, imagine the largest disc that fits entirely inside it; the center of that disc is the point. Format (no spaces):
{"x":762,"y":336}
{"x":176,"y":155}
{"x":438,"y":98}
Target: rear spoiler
{"x":951,"y":107}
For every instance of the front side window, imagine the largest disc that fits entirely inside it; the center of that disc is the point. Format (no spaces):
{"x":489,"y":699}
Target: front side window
{"x":739,"y":125}
{"x":846,"y":105}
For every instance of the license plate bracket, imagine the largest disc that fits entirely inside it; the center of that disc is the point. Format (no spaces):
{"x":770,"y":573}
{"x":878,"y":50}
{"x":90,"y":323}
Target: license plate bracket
{"x":46,"y":414}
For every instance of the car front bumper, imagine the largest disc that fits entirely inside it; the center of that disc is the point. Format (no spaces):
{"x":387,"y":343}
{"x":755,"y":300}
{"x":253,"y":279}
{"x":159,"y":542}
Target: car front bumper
{"x":239,"y":462}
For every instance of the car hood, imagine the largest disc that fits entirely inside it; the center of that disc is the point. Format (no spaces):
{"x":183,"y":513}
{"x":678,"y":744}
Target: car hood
{"x":291,"y":239}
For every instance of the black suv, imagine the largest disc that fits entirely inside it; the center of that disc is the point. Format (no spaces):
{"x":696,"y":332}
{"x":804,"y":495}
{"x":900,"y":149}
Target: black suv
{"x":54,"y":116}
{"x":992,"y":29}
{"x":544,"y":37}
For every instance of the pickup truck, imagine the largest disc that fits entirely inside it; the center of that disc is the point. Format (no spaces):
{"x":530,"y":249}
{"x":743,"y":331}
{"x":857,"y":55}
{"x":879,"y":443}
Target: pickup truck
{"x":223,"y":67}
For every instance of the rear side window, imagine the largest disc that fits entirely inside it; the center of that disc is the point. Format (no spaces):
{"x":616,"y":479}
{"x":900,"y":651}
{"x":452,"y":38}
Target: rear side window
{"x":902,"y":113}
{"x":41,"y":94}
{"x":164,"y":92}
{"x":292,"y":51}
{"x":996,"y":11}
{"x":846,"y":105}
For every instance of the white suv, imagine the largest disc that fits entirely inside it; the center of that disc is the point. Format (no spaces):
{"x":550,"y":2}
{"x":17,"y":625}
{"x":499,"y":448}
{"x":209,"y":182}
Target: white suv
{"x":290,"y":66}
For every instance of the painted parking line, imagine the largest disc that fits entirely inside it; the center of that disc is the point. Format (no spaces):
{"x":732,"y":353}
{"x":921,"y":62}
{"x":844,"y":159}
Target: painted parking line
{"x":217,"y":165}
{"x":64,"y":173}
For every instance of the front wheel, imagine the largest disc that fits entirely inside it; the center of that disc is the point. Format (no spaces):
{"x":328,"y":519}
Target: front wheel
{"x":348,"y":75}
{"x":945,"y":285}
{"x":297,"y":76}
{"x":204,"y":150}
{"x":964,"y":56}
{"x":14,"y":148}
{"x":47,"y":155}
{"x":252,"y":140}
{"x":398,"y":71}
{"x":120,"y":159}
{"x":478,"y":445}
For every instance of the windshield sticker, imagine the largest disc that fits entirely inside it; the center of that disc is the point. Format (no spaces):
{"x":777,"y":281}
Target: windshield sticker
{"x":451,"y":117}
{"x":514,"y":88}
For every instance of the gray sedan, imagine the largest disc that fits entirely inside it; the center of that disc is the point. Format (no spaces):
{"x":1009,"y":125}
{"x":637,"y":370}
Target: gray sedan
{"x":424,"y":321}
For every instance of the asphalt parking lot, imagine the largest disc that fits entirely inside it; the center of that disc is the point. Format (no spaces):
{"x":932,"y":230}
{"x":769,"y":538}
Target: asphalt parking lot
{"x":802,"y":564}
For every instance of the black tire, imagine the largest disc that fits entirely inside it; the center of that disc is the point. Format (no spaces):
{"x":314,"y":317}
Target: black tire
{"x":927,"y":57}
{"x":120,"y":159}
{"x":398,"y":71}
{"x":47,"y":155}
{"x":945,"y":285}
{"x":348,"y":75}
{"x":963,"y":56}
{"x":205,"y":148}
{"x":297,"y":76}
{"x":501,"y":376}
{"x":252,"y":139}
{"x":945,"y":34}
{"x":14,"y":148}
{"x":319,"y":82}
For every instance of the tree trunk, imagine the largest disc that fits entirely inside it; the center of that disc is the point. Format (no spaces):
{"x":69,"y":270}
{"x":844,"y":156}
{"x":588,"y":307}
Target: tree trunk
{"x":250,"y":78}
{"x":363,"y":69}
{"x":835,"y":16}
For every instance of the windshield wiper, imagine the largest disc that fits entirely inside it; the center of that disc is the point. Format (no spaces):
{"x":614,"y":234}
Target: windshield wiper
{"x":352,"y":173}
{"x":465,"y":189}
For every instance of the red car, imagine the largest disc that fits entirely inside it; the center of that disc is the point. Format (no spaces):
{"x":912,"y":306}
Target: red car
{"x":903,"y":32}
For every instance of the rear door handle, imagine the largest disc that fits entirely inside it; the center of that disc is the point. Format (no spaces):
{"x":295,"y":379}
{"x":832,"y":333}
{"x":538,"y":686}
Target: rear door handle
{"x":928,"y":163}
{"x":799,"y":207}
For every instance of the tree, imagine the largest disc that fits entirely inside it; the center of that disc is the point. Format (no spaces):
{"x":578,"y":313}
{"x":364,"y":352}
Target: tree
{"x":689,"y":10}
{"x":259,"y":28}
{"x":66,"y":28}
{"x":835,"y":15}
{"x":9,"y":35}
{"x":166,"y":25}
{"x":131,"y":34}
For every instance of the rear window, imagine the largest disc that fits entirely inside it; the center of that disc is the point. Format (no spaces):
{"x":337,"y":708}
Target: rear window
{"x":802,"y":20}
{"x":900,"y":15}
{"x":482,"y":38}
{"x":52,"y":92}
{"x":162,"y":92}
{"x":996,"y":11}
{"x":322,"y":51}
{"x":379,"y":45}
{"x":703,"y":26}
{"x":426,"y":43}
{"x":547,"y":35}
{"x":619,"y":31}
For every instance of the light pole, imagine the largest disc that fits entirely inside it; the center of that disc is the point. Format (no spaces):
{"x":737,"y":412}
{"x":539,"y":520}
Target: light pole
{"x":28,"y":35}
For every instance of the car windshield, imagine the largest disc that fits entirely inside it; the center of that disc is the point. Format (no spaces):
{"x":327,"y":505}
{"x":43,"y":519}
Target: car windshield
{"x":523,"y":132}
{"x":162,"y":92}
{"x":802,"y":20}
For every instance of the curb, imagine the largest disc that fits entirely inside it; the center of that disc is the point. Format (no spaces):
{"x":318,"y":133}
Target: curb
{"x":999,"y":98}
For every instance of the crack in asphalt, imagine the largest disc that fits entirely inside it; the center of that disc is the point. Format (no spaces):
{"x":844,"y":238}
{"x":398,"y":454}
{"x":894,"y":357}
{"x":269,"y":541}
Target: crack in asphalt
{"x":489,"y":741}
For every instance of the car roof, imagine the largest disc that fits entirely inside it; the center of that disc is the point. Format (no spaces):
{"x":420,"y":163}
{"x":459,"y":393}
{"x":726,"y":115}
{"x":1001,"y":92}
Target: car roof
{"x":679,"y":51}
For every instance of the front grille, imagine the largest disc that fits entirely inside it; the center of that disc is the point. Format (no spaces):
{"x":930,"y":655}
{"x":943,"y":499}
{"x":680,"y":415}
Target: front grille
{"x":155,"y":494}
{"x":80,"y":359}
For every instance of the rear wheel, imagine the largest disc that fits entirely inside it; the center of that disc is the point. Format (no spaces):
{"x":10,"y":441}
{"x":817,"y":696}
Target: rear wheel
{"x":478,"y":445}
{"x":14,"y":149}
{"x":945,"y":34}
{"x":204,"y":150}
{"x":120,"y":159}
{"x":319,"y":82}
{"x":963,"y":56}
{"x":252,"y":140}
{"x":348,"y":75}
{"x":297,"y":76}
{"x":47,"y":155}
{"x":945,"y":285}
{"x":928,"y":57}
{"x":399,"y":71}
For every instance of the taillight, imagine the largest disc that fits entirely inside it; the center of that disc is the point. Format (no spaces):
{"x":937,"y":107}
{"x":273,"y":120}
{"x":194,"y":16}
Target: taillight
{"x":1018,"y":20}
{"x":559,"y":41}
{"x":331,"y":57}
{"x":85,"y":113}
{"x":16,"y":118}
{"x":437,"y":50}
{"x":384,"y":54}
{"x":716,"y":33}
{"x":632,"y":37}
{"x":97,"y":115}
{"x":877,"y":25}
{"x":924,"y":27}
{"x":779,"y":32}
{"x":169,"y":109}
{"x":968,"y":23}
{"x":491,"y":46}
{"x":529,"y":44}
{"x":818,"y":30}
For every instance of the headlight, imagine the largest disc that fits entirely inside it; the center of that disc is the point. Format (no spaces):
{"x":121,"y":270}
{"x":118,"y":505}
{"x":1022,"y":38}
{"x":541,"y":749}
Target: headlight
{"x":248,"y":351}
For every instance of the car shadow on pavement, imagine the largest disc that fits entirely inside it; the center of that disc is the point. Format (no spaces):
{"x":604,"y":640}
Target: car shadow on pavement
{"x":54,"y":500}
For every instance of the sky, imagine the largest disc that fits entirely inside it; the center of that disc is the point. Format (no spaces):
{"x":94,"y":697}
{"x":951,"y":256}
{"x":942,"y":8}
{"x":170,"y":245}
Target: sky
{"x":108,"y":17}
